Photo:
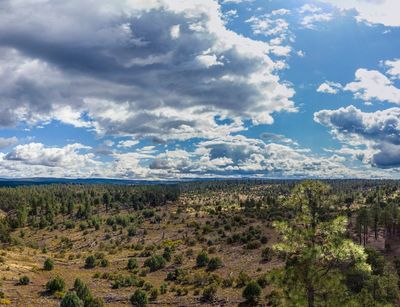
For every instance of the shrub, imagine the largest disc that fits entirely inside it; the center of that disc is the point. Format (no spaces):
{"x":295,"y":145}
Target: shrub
{"x":263,"y":280}
{"x":153,"y":294}
{"x":71,"y":300}
{"x":5,"y":301}
{"x":48,"y":264}
{"x":144,"y":272}
{"x":266,"y":254}
{"x":104,"y":263}
{"x":252,"y":291}
{"x":55,"y":284}
{"x":147,"y":286}
{"x":139,"y":298}
{"x":182,"y":291}
{"x":90,"y":262}
{"x":99,"y":255}
{"x":24,"y":280}
{"x":148,"y":213}
{"x":178,"y":259}
{"x":209,"y":293}
{"x":132,"y":264}
{"x":94,"y":302}
{"x":82,"y":290}
{"x":242,"y":279}
{"x":125,"y":281}
{"x":376,"y":260}
{"x":356,"y":279}
{"x":137,"y":246}
{"x":155,"y":263}
{"x":228,"y":282}
{"x":163,"y":288}
{"x":253,"y":245}
{"x":84,"y":294}
{"x":132,"y":231}
{"x":202,"y":259}
{"x":214,"y":263}
{"x":167,"y":253}
{"x":175,"y":275}
{"x":69,"y":225}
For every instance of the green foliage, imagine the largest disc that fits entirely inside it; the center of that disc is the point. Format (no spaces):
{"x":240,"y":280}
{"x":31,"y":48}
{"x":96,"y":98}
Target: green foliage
{"x":5,"y":236}
{"x":242,"y":279}
{"x":315,"y":249}
{"x":104,"y":263}
{"x":139,"y":298}
{"x":253,"y":244}
{"x":24,"y":280}
{"x":252,"y":291}
{"x":356,"y":279}
{"x":71,"y":300}
{"x":132,"y":264}
{"x":263,"y":280}
{"x":209,"y":293}
{"x":82,"y":290}
{"x":396,"y":264}
{"x":178,"y":259}
{"x":121,"y":281}
{"x":84,"y":294}
{"x":94,"y":302}
{"x":266,"y":254}
{"x":132,"y":231}
{"x":163,"y":288}
{"x":376,"y":260}
{"x":48,"y":264}
{"x":155,"y":263}
{"x":167,"y":253}
{"x":90,"y":262}
{"x":202,"y":259}
{"x":153,"y":294}
{"x":40,"y":206}
{"x":55,"y":284}
{"x":320,"y":264}
{"x":214,"y":263}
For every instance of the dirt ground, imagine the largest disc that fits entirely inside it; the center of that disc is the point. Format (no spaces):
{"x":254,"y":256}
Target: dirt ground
{"x":28,"y":258}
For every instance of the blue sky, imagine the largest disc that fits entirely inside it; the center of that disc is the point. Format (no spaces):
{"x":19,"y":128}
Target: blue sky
{"x":170,"y":89}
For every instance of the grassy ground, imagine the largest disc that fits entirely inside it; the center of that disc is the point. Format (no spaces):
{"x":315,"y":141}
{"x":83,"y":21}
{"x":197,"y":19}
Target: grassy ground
{"x":177,"y":227}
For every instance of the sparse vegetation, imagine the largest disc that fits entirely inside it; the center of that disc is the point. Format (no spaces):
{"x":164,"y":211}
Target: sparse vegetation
{"x":24,"y":280}
{"x":71,"y":299}
{"x":202,"y":259}
{"x":155,"y":263}
{"x":48,"y":264}
{"x":56,"y":284}
{"x":219,"y":241}
{"x":132,"y":264}
{"x":139,"y":298}
{"x":252,"y":291}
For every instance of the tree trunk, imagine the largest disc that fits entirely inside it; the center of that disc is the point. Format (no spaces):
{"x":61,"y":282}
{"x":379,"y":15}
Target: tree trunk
{"x":310,"y":295}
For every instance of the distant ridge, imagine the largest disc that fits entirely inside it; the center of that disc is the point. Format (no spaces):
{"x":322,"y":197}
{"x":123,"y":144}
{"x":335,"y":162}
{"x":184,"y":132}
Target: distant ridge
{"x":40,"y":181}
{"x":4,"y":182}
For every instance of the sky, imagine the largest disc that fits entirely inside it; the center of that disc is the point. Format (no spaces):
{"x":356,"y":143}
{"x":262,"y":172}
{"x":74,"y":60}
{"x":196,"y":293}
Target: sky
{"x":179,"y":89}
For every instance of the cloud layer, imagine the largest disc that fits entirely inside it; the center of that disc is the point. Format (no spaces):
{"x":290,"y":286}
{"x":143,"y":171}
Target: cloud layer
{"x":108,"y":66}
{"x":235,"y":156}
{"x":164,"y":89}
{"x":385,"y":12}
{"x":378,"y":132}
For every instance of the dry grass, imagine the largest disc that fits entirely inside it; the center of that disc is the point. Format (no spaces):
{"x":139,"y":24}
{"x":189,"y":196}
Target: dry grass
{"x":69,"y":263}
